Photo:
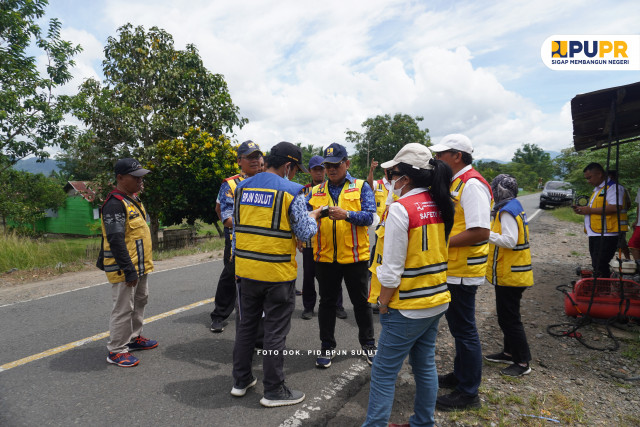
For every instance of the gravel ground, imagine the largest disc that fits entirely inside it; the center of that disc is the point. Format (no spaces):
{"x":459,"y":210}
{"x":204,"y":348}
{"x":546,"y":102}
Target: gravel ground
{"x":569,"y":383}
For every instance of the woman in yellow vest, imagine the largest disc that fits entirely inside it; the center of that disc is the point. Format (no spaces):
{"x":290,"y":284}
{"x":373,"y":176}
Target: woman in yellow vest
{"x":509,"y":269}
{"x":409,"y":281}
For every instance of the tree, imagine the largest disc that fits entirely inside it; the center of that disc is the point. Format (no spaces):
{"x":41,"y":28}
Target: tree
{"x":533,"y":157}
{"x":572,"y":164}
{"x":151,"y":93}
{"x":382,"y":138}
{"x":28,"y":196}
{"x":186,"y":174}
{"x":30,"y":114}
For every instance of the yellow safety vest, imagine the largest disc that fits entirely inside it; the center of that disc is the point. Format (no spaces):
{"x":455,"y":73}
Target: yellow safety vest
{"x":466,"y":261}
{"x":611,"y":220}
{"x":265,"y":246}
{"x":423,"y":283}
{"x":137,"y":237}
{"x":340,"y":241}
{"x":233,"y":182}
{"x":381,"y":194}
{"x":511,"y":267}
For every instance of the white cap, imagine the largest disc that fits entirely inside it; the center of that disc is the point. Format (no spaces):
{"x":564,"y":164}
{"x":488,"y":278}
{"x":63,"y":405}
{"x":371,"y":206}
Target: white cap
{"x":414,"y":154}
{"x":455,"y":141}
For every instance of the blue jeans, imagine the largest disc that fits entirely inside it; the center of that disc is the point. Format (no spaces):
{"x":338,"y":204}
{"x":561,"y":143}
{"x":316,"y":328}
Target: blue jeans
{"x":461,"y":317}
{"x":401,"y":336}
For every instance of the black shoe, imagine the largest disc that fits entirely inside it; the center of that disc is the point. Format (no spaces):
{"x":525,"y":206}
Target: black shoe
{"x":516,"y":370}
{"x":307,"y":314}
{"x":457,"y":400}
{"x":326,"y":355}
{"x":282,"y":396}
{"x":298,"y":292}
{"x":240,"y":389}
{"x":369,"y":352}
{"x":499,"y":358}
{"x":341,"y":313}
{"x":448,"y":381}
{"x":217,"y":326}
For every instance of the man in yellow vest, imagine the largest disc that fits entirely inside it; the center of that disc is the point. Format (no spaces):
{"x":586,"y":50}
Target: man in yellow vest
{"x":269,"y":214}
{"x":467,"y":262}
{"x":249,"y":156}
{"x":309,"y":295}
{"x":604,"y":231}
{"x":341,"y":251}
{"x":126,"y":259}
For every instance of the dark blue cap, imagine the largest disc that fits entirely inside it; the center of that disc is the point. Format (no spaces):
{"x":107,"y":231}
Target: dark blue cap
{"x":316,"y":161}
{"x":129,"y":167}
{"x":247,"y":148}
{"x":334,"y":153}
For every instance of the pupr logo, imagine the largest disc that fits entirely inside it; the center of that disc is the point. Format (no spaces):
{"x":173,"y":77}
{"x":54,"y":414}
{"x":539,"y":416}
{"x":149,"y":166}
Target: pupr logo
{"x":329,"y":152}
{"x":589,"y":52}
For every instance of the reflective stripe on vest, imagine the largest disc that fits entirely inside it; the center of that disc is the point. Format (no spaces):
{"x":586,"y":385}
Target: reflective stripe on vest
{"x":265,"y":247}
{"x":340,"y":241}
{"x":137,"y":238}
{"x":423,"y":281}
{"x":611,"y":220}
{"x":466,"y":261}
{"x":511,"y":267}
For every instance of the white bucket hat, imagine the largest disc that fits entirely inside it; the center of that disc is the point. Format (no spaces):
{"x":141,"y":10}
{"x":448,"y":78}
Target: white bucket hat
{"x":414,"y":154}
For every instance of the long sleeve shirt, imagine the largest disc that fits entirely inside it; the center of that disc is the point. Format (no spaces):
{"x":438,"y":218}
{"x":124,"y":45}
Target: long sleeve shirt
{"x":364,"y":217}
{"x":114,"y":218}
{"x":396,"y":242}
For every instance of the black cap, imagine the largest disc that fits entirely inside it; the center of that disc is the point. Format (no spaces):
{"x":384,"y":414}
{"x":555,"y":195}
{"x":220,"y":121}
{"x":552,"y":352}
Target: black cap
{"x":247,"y":148}
{"x":129,"y":167}
{"x":334,"y":153}
{"x":289,"y":151}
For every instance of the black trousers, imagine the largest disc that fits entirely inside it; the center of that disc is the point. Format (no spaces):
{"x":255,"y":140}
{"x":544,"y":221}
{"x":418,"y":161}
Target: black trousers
{"x":330,"y":275}
{"x":276,"y":301}
{"x":602,"y":249}
{"x":226,"y":290}
{"x":309,"y":295}
{"x":508,"y":308}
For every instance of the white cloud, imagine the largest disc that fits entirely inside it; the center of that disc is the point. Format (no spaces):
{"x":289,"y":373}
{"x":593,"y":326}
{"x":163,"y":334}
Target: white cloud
{"x":308,"y":73}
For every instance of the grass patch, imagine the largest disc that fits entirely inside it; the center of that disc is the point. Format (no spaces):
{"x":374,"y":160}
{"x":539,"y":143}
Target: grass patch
{"x":37,"y":258}
{"x":565,"y":213}
{"x":570,"y":234}
{"x":25,"y":254}
{"x":576,"y":253}
{"x":202,"y":228}
{"x":632,"y":350}
{"x":209,"y":245}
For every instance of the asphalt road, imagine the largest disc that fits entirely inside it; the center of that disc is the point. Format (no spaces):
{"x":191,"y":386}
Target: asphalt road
{"x":185,"y":381}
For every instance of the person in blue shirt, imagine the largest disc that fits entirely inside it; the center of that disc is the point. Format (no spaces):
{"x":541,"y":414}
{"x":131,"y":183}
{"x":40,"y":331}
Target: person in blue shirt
{"x":249,"y":157}
{"x":341,"y":250}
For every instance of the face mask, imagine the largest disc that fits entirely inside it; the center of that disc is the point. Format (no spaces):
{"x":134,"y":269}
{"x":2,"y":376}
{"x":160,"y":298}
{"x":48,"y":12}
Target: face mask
{"x":398,"y":191}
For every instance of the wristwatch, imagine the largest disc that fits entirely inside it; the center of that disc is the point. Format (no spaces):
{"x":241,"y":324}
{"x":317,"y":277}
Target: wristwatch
{"x":381,"y":305}
{"x":348,"y":214}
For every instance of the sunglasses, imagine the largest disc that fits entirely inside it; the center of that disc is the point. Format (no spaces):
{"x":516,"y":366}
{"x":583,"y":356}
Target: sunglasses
{"x":395,"y":173}
{"x":333,"y":165}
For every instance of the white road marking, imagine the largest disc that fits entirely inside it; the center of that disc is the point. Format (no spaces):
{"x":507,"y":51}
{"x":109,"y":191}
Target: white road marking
{"x":96,"y":337}
{"x":100,"y":284}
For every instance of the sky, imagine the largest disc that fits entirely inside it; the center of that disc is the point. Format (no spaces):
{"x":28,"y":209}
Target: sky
{"x":309,"y":71}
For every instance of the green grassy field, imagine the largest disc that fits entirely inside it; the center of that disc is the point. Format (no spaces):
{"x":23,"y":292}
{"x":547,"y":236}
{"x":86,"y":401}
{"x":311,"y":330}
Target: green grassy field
{"x":25,"y":253}
{"x":62,"y":254}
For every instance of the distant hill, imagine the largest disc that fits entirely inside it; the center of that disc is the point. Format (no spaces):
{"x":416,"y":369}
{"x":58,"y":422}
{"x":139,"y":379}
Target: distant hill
{"x":31,"y":165}
{"x":490,"y":160}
